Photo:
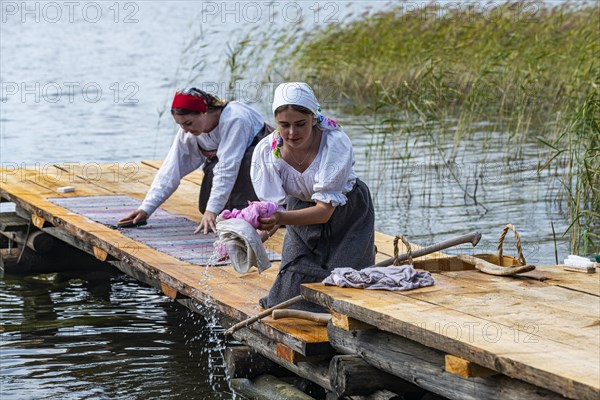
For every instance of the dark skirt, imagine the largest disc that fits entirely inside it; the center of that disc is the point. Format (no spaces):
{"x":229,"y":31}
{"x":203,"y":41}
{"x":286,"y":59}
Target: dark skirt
{"x":242,"y":191}
{"x":311,"y":252}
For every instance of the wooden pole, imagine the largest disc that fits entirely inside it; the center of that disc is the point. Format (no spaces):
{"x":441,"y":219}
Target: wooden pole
{"x":320,"y":318}
{"x":267,"y":387}
{"x":350,"y":375}
{"x":472,"y":238}
{"x":263,"y":314}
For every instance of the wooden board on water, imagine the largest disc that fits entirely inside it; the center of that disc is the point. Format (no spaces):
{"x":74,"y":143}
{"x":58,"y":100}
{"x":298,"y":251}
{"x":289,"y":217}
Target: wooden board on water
{"x":234,"y":295}
{"x":539,"y":332}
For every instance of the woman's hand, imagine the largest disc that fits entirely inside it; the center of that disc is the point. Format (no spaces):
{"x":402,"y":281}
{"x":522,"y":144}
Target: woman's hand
{"x":208,"y":223}
{"x":264,"y":236}
{"x":135,"y":217}
{"x":267,"y":224}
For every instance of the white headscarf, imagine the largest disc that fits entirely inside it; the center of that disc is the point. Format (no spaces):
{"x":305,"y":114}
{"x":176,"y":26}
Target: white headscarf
{"x":300,"y":94}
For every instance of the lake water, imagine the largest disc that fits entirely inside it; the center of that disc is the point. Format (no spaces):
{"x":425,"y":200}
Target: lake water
{"x":89,"y":82}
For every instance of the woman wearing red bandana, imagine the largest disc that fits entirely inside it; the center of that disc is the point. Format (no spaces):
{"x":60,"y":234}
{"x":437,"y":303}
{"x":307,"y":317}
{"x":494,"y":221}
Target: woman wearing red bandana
{"x":218,"y":136}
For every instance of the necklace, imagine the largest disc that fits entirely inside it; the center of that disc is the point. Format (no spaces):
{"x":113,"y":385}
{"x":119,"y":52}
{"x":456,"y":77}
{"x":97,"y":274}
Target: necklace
{"x":308,"y":151}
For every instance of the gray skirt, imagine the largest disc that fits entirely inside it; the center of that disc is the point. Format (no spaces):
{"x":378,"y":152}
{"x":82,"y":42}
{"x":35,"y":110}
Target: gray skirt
{"x":311,"y":252}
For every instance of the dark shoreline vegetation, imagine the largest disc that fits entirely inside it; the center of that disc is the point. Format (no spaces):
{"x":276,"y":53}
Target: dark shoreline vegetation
{"x":531,"y":69}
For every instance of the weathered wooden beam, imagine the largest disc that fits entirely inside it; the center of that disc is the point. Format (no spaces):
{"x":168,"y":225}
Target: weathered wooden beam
{"x":378,"y":395}
{"x":316,"y":372}
{"x":146,"y":271}
{"x":244,"y":362}
{"x":8,"y":257}
{"x":37,"y":241}
{"x":11,"y":222}
{"x":466,"y":368}
{"x":292,"y":356}
{"x":424,"y":366}
{"x":350,"y":375}
{"x":267,"y":387}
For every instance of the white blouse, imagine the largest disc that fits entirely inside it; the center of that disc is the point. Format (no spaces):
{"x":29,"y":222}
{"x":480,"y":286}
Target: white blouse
{"x":328,"y":178}
{"x":238,"y":125}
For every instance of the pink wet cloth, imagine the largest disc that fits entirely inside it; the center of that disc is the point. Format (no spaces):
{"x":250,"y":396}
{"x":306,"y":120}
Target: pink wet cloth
{"x":251,"y":214}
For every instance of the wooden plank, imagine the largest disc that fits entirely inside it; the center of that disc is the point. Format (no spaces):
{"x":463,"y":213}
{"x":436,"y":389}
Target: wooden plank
{"x":53,"y":179}
{"x":316,"y":372}
{"x":194,"y":177}
{"x":244,"y":362}
{"x":557,"y":314}
{"x":11,"y":222}
{"x":347,"y":323}
{"x":227,"y":289}
{"x":294,"y":357}
{"x":267,"y":387}
{"x":465,"y":368}
{"x":424,"y":366}
{"x":350,"y":375}
{"x":588,"y":270}
{"x":516,"y":351}
{"x":136,"y":184}
{"x":553,"y":275}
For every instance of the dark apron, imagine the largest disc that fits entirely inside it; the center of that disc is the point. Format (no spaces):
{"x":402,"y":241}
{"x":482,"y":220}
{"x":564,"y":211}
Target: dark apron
{"x":242,"y":191}
{"x":311,"y":252}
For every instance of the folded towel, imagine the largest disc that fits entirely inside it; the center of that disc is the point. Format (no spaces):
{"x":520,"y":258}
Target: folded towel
{"x":402,"y":277}
{"x":240,"y":241}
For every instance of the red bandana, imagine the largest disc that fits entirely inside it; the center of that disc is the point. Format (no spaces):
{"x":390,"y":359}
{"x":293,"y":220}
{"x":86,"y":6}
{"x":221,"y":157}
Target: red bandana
{"x":189,"y":101}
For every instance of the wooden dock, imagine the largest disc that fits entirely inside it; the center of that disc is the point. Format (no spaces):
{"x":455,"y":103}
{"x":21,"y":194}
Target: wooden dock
{"x":471,"y":336}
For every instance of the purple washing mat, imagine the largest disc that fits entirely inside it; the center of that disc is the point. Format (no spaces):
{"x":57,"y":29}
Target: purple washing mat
{"x":165,"y":232}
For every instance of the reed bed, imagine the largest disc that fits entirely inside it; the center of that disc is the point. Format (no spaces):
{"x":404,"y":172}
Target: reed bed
{"x":504,"y":59}
{"x":530,"y":70}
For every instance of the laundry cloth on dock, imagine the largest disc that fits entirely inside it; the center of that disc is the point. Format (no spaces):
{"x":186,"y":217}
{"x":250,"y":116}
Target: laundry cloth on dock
{"x":166,"y":232}
{"x":402,"y":277}
{"x":251,"y":214}
{"x":240,"y":241}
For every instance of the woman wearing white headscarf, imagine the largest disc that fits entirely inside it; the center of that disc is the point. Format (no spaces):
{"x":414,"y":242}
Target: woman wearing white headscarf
{"x":307,"y":164}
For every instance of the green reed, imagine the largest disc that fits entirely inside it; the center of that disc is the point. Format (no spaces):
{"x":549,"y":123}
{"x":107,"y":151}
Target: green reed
{"x":531,"y":70}
{"x":510,"y":61}
{"x":577,"y":148}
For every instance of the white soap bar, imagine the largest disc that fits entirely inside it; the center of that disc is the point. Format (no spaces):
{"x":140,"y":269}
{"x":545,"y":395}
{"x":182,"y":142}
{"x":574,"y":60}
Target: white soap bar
{"x":65,"y":189}
{"x":578,"y":263}
{"x":574,"y":257}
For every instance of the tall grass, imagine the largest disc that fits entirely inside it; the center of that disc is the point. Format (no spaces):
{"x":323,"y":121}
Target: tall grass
{"x":509,"y":60}
{"x":531,"y":70}
{"x":578,"y":149}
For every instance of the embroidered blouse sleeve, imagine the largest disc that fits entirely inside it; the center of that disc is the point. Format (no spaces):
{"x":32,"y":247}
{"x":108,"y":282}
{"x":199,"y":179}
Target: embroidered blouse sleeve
{"x":335,"y":169}
{"x":265,"y":174}
{"x":236,"y":135}
{"x":183,"y":158}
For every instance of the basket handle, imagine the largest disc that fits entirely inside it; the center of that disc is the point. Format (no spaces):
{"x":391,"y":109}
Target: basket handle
{"x":517,"y":240}
{"x":408,"y":250}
